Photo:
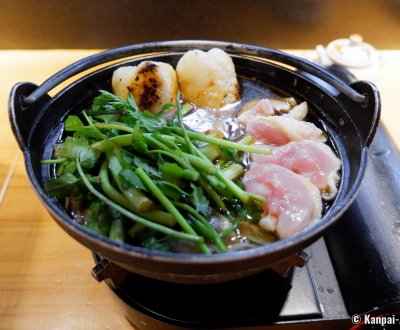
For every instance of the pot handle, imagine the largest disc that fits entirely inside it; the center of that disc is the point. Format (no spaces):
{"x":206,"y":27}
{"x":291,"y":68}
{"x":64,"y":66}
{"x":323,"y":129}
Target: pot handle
{"x":182,"y":46}
{"x":366,"y":115}
{"x":21,"y":118}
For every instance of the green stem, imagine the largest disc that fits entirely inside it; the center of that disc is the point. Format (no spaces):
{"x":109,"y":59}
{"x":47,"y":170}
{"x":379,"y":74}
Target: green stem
{"x":215,"y":236}
{"x":117,"y":231}
{"x":172,"y":155}
{"x":139,"y":201}
{"x":161,"y":217}
{"x":202,"y":164}
{"x":247,"y":139}
{"x":213,"y":194}
{"x":232,"y":171}
{"x":177,"y":171}
{"x":148,"y":182}
{"x":184,"y":163}
{"x":230,"y":229}
{"x":185,"y":135}
{"x":120,"y":141}
{"x":212,"y":152}
{"x":199,"y":137}
{"x":244,"y":196}
{"x":226,"y":143}
{"x":132,"y":216}
{"x":158,"y":216}
{"x":53,"y":161}
{"x":119,"y":127}
{"x":110,"y":191}
{"x":90,"y":122}
{"x":157,"y":143}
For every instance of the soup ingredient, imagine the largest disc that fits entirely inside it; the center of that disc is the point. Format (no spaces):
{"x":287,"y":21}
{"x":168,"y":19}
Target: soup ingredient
{"x":270,"y":107}
{"x":122,"y":78}
{"x":279,"y":130}
{"x":299,"y":171}
{"x":262,"y":107}
{"x":293,"y":203}
{"x":152,"y":84}
{"x":299,"y":112}
{"x":283,"y":105}
{"x":208,"y":79}
{"x":311,"y":159}
{"x":269,"y":126}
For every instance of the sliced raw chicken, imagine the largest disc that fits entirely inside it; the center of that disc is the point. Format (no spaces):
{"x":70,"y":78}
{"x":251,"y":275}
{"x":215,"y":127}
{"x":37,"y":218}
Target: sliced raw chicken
{"x":299,"y":112}
{"x":293,"y":202}
{"x":261,"y":107}
{"x":283,"y":105}
{"x":313,"y":160}
{"x":279,"y":130}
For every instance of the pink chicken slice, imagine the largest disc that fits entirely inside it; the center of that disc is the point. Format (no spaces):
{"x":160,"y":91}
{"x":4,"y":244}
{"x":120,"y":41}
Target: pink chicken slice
{"x":262,"y":107}
{"x":293,"y":202}
{"x":313,"y":160}
{"x":279,"y":130}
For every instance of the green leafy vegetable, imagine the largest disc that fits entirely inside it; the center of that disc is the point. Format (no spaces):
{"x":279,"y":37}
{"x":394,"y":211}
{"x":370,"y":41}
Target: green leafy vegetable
{"x":142,"y":180}
{"x":200,"y":201}
{"x":129,"y":177}
{"x":156,"y":244}
{"x":77,"y":146}
{"x":73,"y":123}
{"x":62,"y":186}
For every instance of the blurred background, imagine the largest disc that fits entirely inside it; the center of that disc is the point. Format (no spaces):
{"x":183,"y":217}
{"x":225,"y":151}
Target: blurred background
{"x":47,"y":24}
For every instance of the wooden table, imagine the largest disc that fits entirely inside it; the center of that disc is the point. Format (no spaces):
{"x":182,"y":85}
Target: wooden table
{"x":45,"y":280}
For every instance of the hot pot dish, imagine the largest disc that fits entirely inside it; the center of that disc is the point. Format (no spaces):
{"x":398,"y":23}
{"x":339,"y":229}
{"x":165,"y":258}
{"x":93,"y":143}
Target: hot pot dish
{"x":195,"y":161}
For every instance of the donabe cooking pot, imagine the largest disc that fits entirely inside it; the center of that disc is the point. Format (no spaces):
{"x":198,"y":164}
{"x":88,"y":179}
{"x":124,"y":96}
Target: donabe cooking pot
{"x":349,"y":113}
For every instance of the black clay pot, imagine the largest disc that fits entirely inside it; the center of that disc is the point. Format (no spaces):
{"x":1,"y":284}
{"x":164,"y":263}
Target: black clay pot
{"x":349,"y":113}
